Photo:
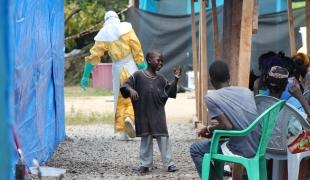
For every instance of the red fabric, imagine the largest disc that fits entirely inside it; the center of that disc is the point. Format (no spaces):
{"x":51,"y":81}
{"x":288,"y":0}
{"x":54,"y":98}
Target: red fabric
{"x":16,"y":140}
{"x":301,"y":143}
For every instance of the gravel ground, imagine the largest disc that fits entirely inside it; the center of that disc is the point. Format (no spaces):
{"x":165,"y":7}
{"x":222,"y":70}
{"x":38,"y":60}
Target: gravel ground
{"x":91,"y":152}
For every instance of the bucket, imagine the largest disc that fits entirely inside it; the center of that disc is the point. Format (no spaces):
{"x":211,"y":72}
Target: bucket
{"x":190,"y":80}
{"x":102,"y":76}
{"x":303,"y":32}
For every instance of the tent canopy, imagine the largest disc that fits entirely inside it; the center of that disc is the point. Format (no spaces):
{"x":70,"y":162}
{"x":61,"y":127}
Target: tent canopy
{"x":168,"y":7}
{"x":173,"y":36}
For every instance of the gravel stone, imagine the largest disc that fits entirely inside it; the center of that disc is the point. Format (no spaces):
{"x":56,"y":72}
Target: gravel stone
{"x":91,"y":152}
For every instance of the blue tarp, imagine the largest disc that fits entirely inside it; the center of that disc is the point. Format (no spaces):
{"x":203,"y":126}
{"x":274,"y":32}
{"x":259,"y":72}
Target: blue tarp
{"x":183,"y":7}
{"x":173,"y":36}
{"x":39,"y":77}
{"x":6,"y":82}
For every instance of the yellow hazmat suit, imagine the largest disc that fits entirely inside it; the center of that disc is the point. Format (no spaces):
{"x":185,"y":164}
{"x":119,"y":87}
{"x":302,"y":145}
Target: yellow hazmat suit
{"x":119,"y":40}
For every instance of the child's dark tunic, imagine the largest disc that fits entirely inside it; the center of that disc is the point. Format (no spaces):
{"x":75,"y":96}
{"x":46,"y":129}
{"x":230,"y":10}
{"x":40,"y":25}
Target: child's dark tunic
{"x":150,"y":117}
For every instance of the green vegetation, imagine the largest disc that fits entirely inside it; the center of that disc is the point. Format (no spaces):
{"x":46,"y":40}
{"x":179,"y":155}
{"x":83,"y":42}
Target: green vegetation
{"x":76,"y":91}
{"x":83,"y":19}
{"x":80,"y":118}
{"x":296,"y":5}
{"x":83,"y":14}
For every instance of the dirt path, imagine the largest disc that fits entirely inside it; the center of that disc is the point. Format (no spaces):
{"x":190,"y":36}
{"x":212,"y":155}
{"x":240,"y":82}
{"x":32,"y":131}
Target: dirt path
{"x":180,"y":109}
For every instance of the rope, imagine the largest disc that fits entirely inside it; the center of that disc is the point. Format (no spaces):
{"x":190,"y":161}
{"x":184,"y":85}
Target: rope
{"x":91,"y":29}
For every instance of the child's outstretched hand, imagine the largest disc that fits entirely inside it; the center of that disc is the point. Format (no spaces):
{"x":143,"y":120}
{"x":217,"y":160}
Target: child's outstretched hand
{"x":134,"y":95}
{"x":178,"y":72}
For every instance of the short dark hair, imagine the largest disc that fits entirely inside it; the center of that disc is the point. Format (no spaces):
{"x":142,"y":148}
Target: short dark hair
{"x":219,"y":71}
{"x":152,"y":53}
{"x":287,"y":62}
{"x":263,"y":59}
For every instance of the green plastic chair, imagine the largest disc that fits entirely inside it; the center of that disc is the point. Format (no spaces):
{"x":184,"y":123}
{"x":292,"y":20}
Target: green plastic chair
{"x":255,"y":166}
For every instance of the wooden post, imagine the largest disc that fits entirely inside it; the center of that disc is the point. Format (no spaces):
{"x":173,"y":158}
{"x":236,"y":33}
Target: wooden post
{"x":236,"y":17}
{"x":240,"y":52}
{"x":200,"y":104}
{"x":236,"y":11}
{"x":255,"y":17}
{"x":203,"y":60}
{"x":308,"y":25}
{"x":227,"y":27}
{"x":245,"y":43}
{"x":198,"y":69}
{"x":291,"y":27}
{"x":136,"y":3}
{"x":194,"y":50}
{"x":215,"y":32}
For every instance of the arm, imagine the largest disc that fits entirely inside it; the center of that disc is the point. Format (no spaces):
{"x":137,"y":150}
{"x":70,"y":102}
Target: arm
{"x":295,"y":92}
{"x":256,"y":86}
{"x":172,"y":88}
{"x":94,"y":58}
{"x":215,"y":113}
{"x":223,"y":123}
{"x":88,"y":67}
{"x":127,"y":89}
{"x":96,"y":52}
{"x":136,"y":49}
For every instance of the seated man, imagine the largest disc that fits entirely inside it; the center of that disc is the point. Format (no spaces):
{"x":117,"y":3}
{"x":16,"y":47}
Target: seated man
{"x":234,"y":108}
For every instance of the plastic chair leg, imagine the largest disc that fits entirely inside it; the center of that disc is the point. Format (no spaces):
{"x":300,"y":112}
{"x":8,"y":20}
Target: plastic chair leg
{"x":206,"y":167}
{"x":253,"y":171}
{"x":277,"y":169}
{"x":263,"y":168}
{"x":293,"y":163}
{"x":219,"y":167}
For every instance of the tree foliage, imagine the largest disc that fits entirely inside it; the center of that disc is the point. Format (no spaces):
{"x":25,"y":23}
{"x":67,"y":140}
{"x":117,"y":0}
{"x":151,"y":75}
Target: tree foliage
{"x":80,"y":15}
{"x":90,"y":13}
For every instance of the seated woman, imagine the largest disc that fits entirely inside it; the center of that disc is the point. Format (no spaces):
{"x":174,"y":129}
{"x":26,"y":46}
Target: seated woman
{"x":277,"y":80}
{"x":265,"y":62}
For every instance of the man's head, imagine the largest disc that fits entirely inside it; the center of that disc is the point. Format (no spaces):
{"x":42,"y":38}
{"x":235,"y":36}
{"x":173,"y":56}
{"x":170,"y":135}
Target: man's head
{"x":277,"y":79}
{"x":154,"y":60}
{"x":219,"y":74}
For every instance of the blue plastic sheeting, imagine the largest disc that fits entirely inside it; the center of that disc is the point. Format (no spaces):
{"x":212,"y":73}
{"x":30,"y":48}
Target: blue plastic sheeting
{"x":183,"y":7}
{"x":39,"y":77}
{"x":6,"y":74}
{"x":272,"y":6}
{"x":169,"y":7}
